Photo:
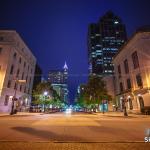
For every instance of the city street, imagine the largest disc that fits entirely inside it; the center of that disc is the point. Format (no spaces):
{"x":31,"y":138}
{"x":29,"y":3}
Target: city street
{"x":70,"y":129}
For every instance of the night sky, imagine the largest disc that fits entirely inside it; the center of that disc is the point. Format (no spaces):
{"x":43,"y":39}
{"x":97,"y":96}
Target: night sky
{"x":56,"y":30}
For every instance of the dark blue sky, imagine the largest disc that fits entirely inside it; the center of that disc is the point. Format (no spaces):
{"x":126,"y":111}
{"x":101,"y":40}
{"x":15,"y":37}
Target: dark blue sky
{"x":56,"y":30}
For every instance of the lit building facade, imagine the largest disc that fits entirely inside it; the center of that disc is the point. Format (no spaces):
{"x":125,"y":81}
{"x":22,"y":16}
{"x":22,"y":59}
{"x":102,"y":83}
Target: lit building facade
{"x":16,"y":63}
{"x":58,"y":79}
{"x":132,"y":72}
{"x":104,"y":40}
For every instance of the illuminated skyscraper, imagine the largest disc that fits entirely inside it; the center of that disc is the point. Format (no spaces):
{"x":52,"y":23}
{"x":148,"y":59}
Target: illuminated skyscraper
{"x":104,"y":40}
{"x":58,"y":79}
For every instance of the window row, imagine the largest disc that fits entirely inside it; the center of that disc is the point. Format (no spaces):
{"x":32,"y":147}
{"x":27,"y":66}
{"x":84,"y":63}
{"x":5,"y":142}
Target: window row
{"x":16,"y":87}
{"x":135,"y":61}
{"x":128,"y":83}
{"x":20,"y":61}
{"x":18,"y":71}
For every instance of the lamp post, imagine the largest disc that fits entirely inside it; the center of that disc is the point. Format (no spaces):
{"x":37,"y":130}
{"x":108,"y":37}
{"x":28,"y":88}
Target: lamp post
{"x":124,"y":107}
{"x":14,"y":97}
{"x":45,"y":94}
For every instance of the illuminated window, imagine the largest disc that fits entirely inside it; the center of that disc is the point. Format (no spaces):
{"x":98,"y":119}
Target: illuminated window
{"x":97,"y":34}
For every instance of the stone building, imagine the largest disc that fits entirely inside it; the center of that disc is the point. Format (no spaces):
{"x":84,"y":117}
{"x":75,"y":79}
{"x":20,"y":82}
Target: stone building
{"x":132,"y":72}
{"x":16,"y":63}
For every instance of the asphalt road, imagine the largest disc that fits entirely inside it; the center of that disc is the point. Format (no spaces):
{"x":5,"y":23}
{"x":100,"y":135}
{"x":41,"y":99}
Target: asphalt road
{"x":75,"y":128}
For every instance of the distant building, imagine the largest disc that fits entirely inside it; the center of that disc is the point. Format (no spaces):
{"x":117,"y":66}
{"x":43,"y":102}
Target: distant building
{"x":58,"y":79}
{"x":16,"y":63}
{"x":37,"y":76}
{"x":132,"y":72}
{"x":104,"y":40}
{"x":79,"y":92}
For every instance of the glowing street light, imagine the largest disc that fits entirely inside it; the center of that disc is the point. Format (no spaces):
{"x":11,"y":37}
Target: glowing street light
{"x":45,"y":94}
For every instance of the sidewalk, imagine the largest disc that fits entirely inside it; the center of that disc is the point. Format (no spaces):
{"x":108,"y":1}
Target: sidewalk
{"x":121,"y":114}
{"x":20,"y":114}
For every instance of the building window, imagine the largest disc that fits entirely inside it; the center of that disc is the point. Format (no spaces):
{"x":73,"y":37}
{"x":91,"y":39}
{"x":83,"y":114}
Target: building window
{"x":119,"y":69}
{"x":30,"y":81}
{"x":20,"y":60}
{"x":12,"y":69}
{"x":15,"y":55}
{"x":139,"y":80}
{"x":128,"y":83}
{"x":28,"y":90}
{"x":20,"y":88}
{"x":0,"y":50}
{"x":24,"y":64}
{"x":135,"y":60}
{"x":126,"y":67}
{"x":26,"y":78}
{"x":22,"y":76}
{"x":6,"y":100}
{"x":9,"y":84}
{"x":1,"y":38}
{"x":25,"y":89}
{"x":17,"y":73}
{"x":15,"y":87}
{"x":121,"y":87}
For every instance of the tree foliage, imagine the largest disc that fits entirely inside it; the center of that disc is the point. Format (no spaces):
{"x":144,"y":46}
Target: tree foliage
{"x":93,"y":93}
{"x":52,"y":98}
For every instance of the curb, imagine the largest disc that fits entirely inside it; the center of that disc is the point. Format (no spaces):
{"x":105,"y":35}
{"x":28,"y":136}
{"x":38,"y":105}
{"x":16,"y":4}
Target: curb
{"x":12,"y":141}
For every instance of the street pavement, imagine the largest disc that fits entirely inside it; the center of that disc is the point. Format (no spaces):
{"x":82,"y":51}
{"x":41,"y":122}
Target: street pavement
{"x":73,"y":131}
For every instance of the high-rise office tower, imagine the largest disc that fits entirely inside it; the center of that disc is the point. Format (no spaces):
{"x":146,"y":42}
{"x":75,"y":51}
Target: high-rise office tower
{"x":104,"y":40}
{"x":58,"y":79}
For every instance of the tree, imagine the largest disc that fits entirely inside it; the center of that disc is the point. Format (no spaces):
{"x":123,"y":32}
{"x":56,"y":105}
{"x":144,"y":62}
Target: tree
{"x":94,"y":93}
{"x":52,"y":97}
{"x":38,"y":94}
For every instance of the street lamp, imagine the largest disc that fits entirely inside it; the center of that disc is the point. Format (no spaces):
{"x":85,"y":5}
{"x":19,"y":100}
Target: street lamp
{"x":124,"y":107}
{"x":45,"y":94}
{"x":14,"y":97}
